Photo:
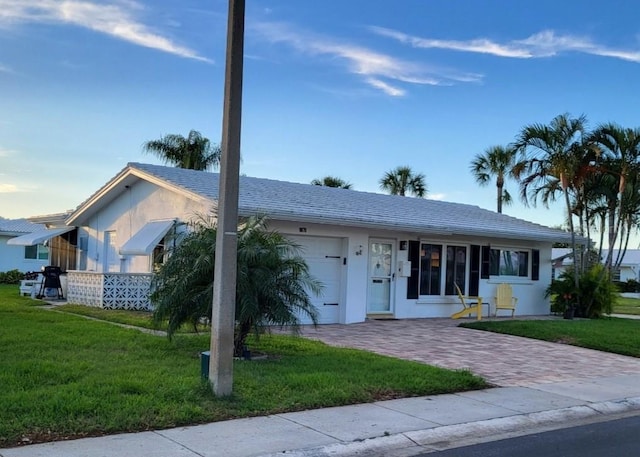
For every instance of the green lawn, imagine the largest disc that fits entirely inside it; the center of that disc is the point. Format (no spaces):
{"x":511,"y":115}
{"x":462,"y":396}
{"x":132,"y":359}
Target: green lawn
{"x":627,"y":306}
{"x":621,"y":336}
{"x":66,"y":376}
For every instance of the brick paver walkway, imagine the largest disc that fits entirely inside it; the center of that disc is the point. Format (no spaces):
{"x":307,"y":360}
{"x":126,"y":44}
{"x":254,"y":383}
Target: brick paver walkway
{"x":502,"y":360}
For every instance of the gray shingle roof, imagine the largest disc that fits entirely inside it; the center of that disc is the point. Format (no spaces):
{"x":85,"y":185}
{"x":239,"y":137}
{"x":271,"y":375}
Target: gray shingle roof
{"x":308,"y":203}
{"x":16,"y":226}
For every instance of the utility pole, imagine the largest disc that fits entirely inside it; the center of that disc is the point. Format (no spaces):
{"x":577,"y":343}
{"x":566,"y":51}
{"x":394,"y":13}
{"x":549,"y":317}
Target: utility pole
{"x":224,"y":284}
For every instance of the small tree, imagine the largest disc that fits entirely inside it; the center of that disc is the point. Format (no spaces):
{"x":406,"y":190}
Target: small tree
{"x":332,"y":181}
{"x":402,"y":180}
{"x":195,"y":152}
{"x":273,"y":282}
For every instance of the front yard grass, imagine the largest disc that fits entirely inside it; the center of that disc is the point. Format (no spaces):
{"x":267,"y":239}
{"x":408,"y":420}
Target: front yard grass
{"x":64,"y":376}
{"x":620,"y":336}
{"x":626,"y":305}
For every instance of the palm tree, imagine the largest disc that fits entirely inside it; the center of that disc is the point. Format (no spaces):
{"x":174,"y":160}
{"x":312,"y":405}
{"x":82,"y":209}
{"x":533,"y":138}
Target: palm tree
{"x":556,"y":158}
{"x":194,"y":152}
{"x":620,"y":168}
{"x":332,"y":181}
{"x":273,"y":282}
{"x":403,"y":180}
{"x":498,"y":162}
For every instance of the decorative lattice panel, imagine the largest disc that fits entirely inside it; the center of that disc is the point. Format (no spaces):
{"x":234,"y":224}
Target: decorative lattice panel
{"x":84,"y":288}
{"x":126,"y":291}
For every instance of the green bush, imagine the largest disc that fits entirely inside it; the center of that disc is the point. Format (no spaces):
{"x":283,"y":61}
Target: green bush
{"x":595,"y":296}
{"x":631,"y":285}
{"x":11,"y":277}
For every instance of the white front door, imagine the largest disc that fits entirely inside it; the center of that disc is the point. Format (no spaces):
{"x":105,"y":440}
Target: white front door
{"x":111,"y":259}
{"x":381,"y":277}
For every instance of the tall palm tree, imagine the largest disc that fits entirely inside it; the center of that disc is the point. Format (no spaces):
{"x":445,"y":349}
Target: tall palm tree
{"x":555,"y":159}
{"x":331,"y":181}
{"x":403,"y":180}
{"x":498,"y":162}
{"x":194,"y":152}
{"x":621,"y":147}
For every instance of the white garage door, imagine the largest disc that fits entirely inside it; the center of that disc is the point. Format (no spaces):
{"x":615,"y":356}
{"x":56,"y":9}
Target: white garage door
{"x":324,"y":258}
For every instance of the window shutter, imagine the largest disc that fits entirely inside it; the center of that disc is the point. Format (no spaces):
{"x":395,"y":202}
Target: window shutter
{"x":535,"y":264}
{"x":484,"y":270}
{"x":413,"y":281}
{"x":474,"y":271}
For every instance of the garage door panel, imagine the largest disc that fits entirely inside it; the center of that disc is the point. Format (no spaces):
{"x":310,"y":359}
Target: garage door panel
{"x":323,"y":257}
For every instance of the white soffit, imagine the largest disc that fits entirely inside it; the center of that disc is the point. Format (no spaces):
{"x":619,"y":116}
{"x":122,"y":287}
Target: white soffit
{"x":39,"y":237}
{"x":147,"y":238}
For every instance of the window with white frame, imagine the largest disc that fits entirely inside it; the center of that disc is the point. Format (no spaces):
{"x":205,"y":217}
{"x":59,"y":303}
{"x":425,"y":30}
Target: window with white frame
{"x":441,"y":268}
{"x":36,"y":252}
{"x":509,"y":262}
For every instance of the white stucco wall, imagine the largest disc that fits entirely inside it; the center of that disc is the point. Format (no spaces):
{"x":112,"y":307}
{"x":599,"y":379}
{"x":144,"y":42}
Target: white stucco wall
{"x":530,"y":294}
{"x":12,"y":258}
{"x":128,"y":213}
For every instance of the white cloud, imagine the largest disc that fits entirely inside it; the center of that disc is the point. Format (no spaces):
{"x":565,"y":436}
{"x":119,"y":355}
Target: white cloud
{"x":5,"y":69}
{"x":543,"y":44}
{"x":386,"y":88}
{"x":440,"y":196}
{"x":378,"y":70}
{"x":7,"y":188}
{"x":116,"y":19}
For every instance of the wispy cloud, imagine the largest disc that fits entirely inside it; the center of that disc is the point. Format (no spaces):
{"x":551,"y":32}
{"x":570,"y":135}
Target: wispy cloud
{"x":5,"y":69}
{"x":7,"y":188}
{"x":117,"y":19}
{"x":543,"y":44}
{"x":380,"y":71}
{"x":440,"y":196}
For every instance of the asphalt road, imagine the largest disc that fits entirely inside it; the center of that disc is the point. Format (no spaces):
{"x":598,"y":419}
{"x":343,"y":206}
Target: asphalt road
{"x":619,"y":438}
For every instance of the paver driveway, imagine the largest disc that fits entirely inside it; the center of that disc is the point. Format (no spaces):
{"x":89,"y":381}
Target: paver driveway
{"x":503,"y":360}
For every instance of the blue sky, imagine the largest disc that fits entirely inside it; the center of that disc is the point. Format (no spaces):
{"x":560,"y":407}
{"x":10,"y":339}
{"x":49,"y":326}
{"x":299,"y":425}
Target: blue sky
{"x":350,"y":88}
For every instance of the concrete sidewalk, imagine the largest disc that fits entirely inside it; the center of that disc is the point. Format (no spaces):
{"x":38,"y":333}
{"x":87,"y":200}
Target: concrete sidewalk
{"x":402,"y":427}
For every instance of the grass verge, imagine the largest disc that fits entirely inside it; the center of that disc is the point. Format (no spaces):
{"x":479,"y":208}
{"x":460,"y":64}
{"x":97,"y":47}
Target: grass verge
{"x":620,"y":336}
{"x":64,"y":376}
{"x":626,"y":305}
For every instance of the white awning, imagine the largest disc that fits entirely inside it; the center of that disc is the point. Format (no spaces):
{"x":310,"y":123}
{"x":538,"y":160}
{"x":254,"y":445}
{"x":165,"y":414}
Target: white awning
{"x":147,"y":238}
{"x":38,"y":237}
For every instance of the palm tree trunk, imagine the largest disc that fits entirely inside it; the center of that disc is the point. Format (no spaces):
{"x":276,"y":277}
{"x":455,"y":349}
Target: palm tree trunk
{"x":576,"y":280}
{"x":499,"y":197}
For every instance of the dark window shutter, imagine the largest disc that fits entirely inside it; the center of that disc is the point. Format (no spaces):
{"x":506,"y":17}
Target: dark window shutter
{"x":484,"y":271}
{"x":413,"y":281}
{"x":535,"y":264}
{"x":474,"y":271}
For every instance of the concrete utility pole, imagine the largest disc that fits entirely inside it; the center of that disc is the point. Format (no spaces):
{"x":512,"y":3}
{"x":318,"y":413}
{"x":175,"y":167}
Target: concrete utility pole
{"x":224,"y":284}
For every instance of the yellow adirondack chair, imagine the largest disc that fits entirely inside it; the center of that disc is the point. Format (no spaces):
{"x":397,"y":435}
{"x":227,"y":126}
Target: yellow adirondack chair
{"x":504,"y":299}
{"x":468,"y":307}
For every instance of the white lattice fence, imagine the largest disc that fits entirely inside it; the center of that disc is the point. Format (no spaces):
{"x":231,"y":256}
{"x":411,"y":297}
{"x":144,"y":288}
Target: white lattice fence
{"x":109,"y":290}
{"x":84,"y":288}
{"x":126,"y":291}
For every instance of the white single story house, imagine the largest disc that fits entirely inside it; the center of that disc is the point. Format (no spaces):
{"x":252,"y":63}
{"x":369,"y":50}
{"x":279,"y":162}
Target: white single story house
{"x":562,"y":258}
{"x":51,"y":240}
{"x":20,"y":257}
{"x":377,"y":255}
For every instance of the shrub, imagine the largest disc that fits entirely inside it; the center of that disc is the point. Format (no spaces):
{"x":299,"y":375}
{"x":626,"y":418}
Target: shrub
{"x":594,"y":297}
{"x":11,"y":277}
{"x":273,"y":282}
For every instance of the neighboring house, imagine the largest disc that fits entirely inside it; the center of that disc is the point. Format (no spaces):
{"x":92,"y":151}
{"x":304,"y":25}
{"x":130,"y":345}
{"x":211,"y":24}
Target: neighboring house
{"x":16,"y":257}
{"x":52,"y":240}
{"x":378,"y":255}
{"x":562,"y":258}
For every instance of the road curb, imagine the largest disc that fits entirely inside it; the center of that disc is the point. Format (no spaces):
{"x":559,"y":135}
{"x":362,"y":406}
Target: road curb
{"x":419,"y":441}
